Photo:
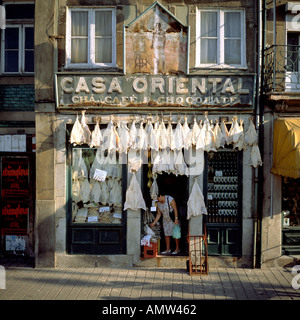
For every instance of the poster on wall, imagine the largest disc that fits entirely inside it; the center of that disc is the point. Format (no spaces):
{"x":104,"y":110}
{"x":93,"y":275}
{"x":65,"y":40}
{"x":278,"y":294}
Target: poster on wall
{"x":15,"y":196}
{"x":15,"y":177}
{"x":14,"y":217}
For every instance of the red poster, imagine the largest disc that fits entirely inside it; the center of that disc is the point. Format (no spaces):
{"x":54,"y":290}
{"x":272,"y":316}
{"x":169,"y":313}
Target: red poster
{"x":15,"y":174}
{"x":15,"y":196}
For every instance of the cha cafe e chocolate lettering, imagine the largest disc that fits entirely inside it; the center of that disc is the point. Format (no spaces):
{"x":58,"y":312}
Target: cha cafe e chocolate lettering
{"x":126,"y":90}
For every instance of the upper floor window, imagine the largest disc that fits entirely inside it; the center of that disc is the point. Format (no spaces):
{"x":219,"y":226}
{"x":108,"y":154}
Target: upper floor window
{"x":221,"y":38}
{"x":91,"y":37}
{"x":17,"y":48}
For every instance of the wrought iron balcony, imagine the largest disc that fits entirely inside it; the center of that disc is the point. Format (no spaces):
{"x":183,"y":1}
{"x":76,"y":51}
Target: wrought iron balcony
{"x":282,"y":69}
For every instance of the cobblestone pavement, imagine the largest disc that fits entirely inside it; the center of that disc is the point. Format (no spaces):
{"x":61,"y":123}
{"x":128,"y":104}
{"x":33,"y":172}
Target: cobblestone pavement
{"x":27,"y":283}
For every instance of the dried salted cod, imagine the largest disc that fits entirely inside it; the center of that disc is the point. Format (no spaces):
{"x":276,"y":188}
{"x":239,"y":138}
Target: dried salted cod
{"x":134,"y":160}
{"x":115,"y":194}
{"x":206,"y":139}
{"x":104,"y":195}
{"x":178,"y":136}
{"x":95,"y":192}
{"x":76,"y":190}
{"x":168,"y":158}
{"x":110,"y":138}
{"x":251,"y":136}
{"x":255,"y":156}
{"x":133,"y":135}
{"x":151,"y":137}
{"x":85,"y":191}
{"x":123,"y":133}
{"x":142,"y":142}
{"x":225,"y":131}
{"x":240,"y":145}
{"x":134,"y":196}
{"x":77,"y":133}
{"x":195,"y":132}
{"x":162,"y":135}
{"x":179,"y":163}
{"x":154,"y":188}
{"x":235,"y":131}
{"x":219,"y":137}
{"x":195,"y":204}
{"x":158,"y":163}
{"x":186,"y":135}
{"x":99,"y":161}
{"x":171,"y":142}
{"x":80,"y":170}
{"x":96,"y":138}
{"x":86,"y":131}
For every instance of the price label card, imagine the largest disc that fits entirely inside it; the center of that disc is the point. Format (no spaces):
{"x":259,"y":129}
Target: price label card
{"x":153,"y":209}
{"x":92,"y":219}
{"x":104,"y":209}
{"x":117,"y":215}
{"x":100,"y":175}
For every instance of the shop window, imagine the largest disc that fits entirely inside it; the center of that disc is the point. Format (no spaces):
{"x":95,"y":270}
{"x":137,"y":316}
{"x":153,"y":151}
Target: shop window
{"x":96,"y":201}
{"x":18,"y":39}
{"x":221,"y":38}
{"x":290,"y":216}
{"x":223,"y":184}
{"x":91,"y":38}
{"x":291,"y":202}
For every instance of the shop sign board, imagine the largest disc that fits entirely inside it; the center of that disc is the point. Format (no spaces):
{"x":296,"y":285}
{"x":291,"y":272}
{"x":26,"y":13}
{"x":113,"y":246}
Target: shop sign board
{"x":83,"y":91}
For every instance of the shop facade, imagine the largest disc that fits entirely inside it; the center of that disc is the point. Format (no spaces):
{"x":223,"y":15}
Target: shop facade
{"x":280,"y":223}
{"x":17,"y":130}
{"x":126,"y":69}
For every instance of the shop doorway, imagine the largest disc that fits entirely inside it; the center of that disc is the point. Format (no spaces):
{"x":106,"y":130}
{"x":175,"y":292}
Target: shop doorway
{"x":178,"y":188}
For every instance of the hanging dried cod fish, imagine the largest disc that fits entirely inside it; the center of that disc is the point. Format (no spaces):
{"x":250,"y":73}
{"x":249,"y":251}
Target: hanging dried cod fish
{"x":219,"y":136}
{"x":77,"y":133}
{"x":225,"y":131}
{"x":123,"y":133}
{"x":240,"y":145}
{"x":186,"y":135}
{"x":154,"y":188}
{"x":96,"y":136}
{"x":142,"y":142}
{"x":171,"y":142}
{"x":178,"y":136}
{"x":133,"y":135}
{"x":196,"y":204}
{"x":255,"y":156}
{"x":235,"y":131}
{"x":110,"y":138}
{"x":151,"y":137}
{"x":251,"y":137}
{"x":134,"y":196}
{"x":206,"y":138}
{"x":195,"y":132}
{"x":162,"y":135}
{"x":86,"y":130}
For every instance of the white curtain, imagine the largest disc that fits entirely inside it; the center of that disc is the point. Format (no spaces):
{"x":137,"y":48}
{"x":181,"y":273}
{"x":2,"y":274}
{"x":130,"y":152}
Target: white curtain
{"x":209,"y":37}
{"x":103,"y":36}
{"x":79,"y":37}
{"x":232,"y":34}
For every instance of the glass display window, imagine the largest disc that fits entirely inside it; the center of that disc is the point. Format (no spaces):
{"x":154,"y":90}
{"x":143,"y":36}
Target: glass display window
{"x":96,"y":192}
{"x":291,"y":202}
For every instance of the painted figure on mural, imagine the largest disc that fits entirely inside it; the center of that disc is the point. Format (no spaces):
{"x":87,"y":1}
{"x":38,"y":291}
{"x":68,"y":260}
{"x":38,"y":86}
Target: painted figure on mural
{"x":158,"y":45}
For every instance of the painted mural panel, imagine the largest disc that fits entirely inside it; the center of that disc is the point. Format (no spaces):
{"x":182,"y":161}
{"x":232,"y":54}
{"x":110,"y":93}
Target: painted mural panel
{"x":156,"y":43}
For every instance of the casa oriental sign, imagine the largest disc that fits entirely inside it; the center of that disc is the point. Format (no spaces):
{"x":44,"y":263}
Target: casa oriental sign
{"x":76,"y":91}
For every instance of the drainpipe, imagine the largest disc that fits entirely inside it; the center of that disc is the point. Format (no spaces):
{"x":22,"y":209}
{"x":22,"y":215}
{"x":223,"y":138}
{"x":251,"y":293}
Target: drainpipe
{"x":258,"y":174}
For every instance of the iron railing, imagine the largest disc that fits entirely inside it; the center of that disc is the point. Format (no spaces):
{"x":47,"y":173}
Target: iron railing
{"x":282,"y":69}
